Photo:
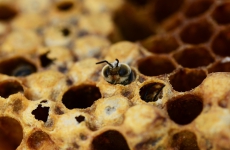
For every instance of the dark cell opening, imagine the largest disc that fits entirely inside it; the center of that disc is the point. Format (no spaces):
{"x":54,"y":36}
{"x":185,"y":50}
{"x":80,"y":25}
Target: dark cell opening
{"x":155,"y":65}
{"x":197,"y":7}
{"x":159,"y":45}
{"x":65,"y":32}
{"x":80,"y":118}
{"x":187,"y":79}
{"x":164,"y":8}
{"x":138,"y":2}
{"x":41,"y":113}
{"x":186,"y":57}
{"x":10,"y":87}
{"x":220,"y":67}
{"x":151,"y":92}
{"x":184,"y":140}
{"x":197,"y":32}
{"x":221,"y":43}
{"x":129,"y":27}
{"x":65,"y":5}
{"x":110,"y":140}
{"x":37,"y":139}
{"x":45,"y":61}
{"x":7,"y":12}
{"x":17,"y":67}
{"x":221,"y":14}
{"x":11,"y":133}
{"x":81,"y":96}
{"x":184,"y":109}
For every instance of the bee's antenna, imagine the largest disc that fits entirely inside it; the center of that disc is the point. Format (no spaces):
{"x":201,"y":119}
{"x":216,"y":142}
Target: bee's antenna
{"x":105,"y":61}
{"x":117,"y":62}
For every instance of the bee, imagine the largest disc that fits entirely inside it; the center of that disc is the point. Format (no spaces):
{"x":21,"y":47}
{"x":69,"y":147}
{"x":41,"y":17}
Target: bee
{"x":117,"y":73}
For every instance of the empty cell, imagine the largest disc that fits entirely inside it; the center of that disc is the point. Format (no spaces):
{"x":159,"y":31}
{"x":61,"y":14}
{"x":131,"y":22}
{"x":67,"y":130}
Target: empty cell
{"x":81,"y":96}
{"x":197,"y":32}
{"x":155,"y":65}
{"x":110,"y":140}
{"x":187,"y":79}
{"x":17,"y":67}
{"x":221,"y":43}
{"x":221,"y":13}
{"x":160,"y":44}
{"x":164,"y":8}
{"x":10,"y":87}
{"x":194,"y":57}
{"x":184,"y":108}
{"x":7,"y":12}
{"x":11,"y":133}
{"x":184,"y":140}
{"x":197,"y":7}
{"x":220,"y":66}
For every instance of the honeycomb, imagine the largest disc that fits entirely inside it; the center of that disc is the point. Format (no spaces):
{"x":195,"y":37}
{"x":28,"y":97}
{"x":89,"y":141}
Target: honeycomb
{"x":54,"y":96}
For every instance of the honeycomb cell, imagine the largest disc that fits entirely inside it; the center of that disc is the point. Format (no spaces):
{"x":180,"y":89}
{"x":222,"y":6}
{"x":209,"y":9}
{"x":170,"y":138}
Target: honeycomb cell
{"x":39,"y":140}
{"x":155,"y":65}
{"x":164,"y":8}
{"x":160,"y":44}
{"x":184,"y":140}
{"x":187,"y":79}
{"x":65,"y":6}
{"x":221,"y":14}
{"x":196,"y":32}
{"x":110,"y":140}
{"x":221,"y":43}
{"x":41,"y":113}
{"x":129,"y":27}
{"x":202,"y":56}
{"x":151,"y":92}
{"x":17,"y":67}
{"x":220,"y":66}
{"x":81,"y":96}
{"x":11,"y":133}
{"x":7,"y":12}
{"x":184,"y":109}
{"x":197,"y":7}
{"x":10,"y":87}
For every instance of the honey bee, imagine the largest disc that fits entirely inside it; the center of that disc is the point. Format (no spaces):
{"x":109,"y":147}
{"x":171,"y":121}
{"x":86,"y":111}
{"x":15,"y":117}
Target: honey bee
{"x":117,"y":73}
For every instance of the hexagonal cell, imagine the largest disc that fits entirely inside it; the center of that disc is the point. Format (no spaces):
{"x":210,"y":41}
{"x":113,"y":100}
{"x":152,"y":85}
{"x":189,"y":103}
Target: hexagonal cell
{"x":187,"y":79}
{"x":197,"y":7}
{"x":151,"y":92}
{"x":110,"y":140}
{"x":164,"y":8}
{"x":220,"y":66}
{"x":39,"y":139}
{"x":197,"y":32}
{"x":186,"y":57}
{"x":160,"y":44}
{"x":7,"y":12}
{"x":81,"y":96}
{"x":184,"y":140}
{"x":221,"y":13}
{"x":221,"y":43}
{"x":17,"y":67}
{"x":10,"y":87}
{"x":11,"y":133}
{"x":184,"y":108}
{"x":156,"y":65}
